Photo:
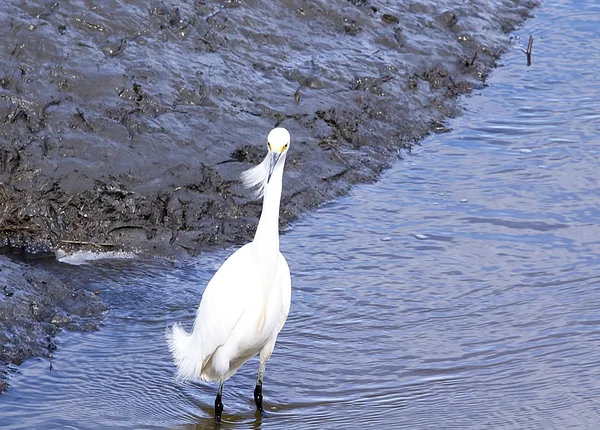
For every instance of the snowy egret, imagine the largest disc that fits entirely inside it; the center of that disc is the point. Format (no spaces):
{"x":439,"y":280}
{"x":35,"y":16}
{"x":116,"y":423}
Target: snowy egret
{"x":246,"y":303}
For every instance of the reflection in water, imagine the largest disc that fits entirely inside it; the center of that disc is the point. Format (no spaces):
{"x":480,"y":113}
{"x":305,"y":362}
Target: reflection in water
{"x":461,"y":291}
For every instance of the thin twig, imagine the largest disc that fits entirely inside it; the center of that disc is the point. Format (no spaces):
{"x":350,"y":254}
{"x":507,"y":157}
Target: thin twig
{"x":80,"y":242}
{"x":117,"y":227}
{"x":336,"y":154}
{"x":83,"y":119}
{"x":529,"y":45}
{"x":473,"y":59}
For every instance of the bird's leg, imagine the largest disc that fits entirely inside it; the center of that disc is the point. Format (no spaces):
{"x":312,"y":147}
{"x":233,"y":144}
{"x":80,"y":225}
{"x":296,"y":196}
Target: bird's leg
{"x":258,"y":397}
{"x":218,"y":403}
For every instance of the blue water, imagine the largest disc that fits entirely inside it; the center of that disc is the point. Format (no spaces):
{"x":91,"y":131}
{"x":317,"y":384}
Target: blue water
{"x":460,"y":291}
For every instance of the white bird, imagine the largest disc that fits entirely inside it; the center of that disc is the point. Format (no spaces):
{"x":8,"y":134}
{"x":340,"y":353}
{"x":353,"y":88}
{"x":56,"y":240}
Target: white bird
{"x":246,"y":303}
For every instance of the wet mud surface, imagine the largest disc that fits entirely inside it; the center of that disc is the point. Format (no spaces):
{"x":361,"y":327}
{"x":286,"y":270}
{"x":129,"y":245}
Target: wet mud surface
{"x":126,"y":125}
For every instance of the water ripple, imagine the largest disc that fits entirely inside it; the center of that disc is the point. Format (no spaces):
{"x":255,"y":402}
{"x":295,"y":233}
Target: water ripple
{"x":461,"y":291}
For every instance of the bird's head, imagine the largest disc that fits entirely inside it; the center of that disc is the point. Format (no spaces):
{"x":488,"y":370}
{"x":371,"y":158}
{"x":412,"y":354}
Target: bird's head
{"x":278,"y":140}
{"x":278,"y":143}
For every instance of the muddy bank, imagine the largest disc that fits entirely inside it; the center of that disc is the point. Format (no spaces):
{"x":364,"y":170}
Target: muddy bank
{"x":34,"y":306}
{"x":127,"y":124}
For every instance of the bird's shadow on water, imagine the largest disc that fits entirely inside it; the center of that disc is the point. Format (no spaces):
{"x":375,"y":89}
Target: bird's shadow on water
{"x":228,"y":421}
{"x":239,"y":413}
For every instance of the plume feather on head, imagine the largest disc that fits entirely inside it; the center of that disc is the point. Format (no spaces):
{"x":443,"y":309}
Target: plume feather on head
{"x":257,"y":177}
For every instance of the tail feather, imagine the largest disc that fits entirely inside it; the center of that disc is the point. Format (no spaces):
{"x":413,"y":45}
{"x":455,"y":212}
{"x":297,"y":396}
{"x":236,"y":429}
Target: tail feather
{"x":186,"y":353}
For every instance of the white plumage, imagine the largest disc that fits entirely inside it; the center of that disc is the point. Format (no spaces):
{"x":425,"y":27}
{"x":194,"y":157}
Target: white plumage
{"x":257,"y":177}
{"x":246,"y":303}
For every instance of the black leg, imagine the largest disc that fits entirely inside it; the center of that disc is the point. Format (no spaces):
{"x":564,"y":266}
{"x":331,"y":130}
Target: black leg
{"x":258,"y":397}
{"x":219,"y":404}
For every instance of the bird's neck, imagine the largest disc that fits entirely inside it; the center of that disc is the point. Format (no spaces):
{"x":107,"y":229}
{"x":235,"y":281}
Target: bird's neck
{"x":267,"y":232}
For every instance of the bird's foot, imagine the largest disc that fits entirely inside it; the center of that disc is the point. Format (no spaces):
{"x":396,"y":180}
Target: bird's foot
{"x":258,"y":397}
{"x":218,"y":408}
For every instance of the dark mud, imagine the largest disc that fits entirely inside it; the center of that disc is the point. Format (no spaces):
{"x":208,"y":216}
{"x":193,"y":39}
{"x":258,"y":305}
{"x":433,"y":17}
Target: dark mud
{"x":127,"y":124}
{"x":34,"y":306}
{"x":124,"y":125}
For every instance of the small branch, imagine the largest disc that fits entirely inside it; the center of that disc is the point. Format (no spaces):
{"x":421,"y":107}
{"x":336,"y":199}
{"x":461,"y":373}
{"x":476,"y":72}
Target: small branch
{"x":336,"y":154}
{"x":120,"y":226}
{"x":529,"y":46}
{"x":79,"y":242}
{"x":84,"y":120}
{"x":473,"y":59}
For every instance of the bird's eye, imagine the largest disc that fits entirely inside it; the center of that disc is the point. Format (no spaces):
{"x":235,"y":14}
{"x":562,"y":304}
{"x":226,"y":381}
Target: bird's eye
{"x":285,"y":146}
{"x":269,"y":145}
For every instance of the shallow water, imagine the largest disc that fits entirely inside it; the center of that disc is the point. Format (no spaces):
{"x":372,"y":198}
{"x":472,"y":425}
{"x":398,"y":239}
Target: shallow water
{"x":460,"y":291}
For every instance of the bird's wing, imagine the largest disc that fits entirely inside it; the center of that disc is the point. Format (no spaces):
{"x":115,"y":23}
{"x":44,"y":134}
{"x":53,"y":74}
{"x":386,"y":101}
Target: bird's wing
{"x":224,"y":300}
{"x":286,"y":289}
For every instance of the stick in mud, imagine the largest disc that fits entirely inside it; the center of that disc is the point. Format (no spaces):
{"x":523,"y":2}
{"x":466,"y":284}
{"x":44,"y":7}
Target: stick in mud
{"x":473,"y":59}
{"x":79,"y":242}
{"x":529,"y":46}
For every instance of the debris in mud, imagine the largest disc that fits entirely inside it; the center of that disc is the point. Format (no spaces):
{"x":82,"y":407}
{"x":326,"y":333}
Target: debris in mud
{"x":528,"y":52}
